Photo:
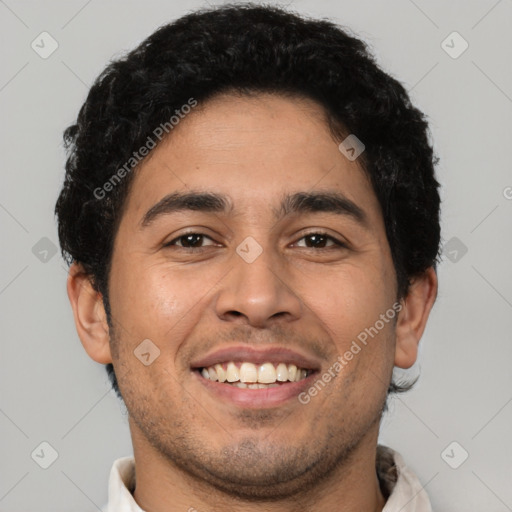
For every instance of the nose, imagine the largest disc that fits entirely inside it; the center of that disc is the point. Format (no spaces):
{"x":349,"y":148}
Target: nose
{"x":258,"y":293}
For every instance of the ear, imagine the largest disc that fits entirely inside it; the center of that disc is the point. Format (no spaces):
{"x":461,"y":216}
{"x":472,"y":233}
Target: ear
{"x":89,"y":313}
{"x":413,"y":316}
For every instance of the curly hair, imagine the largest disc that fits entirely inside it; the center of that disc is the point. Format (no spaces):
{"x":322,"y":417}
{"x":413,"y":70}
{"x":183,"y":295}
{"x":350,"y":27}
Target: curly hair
{"x":246,"y":49}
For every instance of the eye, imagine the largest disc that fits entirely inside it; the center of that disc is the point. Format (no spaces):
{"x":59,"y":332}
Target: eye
{"x":318,"y":240}
{"x":189,"y":240}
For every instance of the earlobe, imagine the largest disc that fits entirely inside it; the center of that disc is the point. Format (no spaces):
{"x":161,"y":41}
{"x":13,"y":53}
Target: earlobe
{"x":413,"y":316}
{"x":89,"y":315}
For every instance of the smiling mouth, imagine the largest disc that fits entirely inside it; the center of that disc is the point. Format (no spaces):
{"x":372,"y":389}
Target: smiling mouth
{"x":247,"y":375}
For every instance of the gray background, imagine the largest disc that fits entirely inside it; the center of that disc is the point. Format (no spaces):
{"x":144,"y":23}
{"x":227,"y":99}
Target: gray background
{"x":51,"y":391}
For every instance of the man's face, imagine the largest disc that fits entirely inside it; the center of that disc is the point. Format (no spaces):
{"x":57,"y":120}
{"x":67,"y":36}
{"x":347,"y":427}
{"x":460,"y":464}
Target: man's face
{"x":202,"y":294}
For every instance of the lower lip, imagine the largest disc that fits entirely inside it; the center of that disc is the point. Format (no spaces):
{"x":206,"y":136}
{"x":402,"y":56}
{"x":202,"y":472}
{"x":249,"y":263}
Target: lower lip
{"x":256,"y":398}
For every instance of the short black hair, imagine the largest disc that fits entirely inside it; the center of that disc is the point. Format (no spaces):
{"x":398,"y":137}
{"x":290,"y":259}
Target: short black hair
{"x":245,"y":49}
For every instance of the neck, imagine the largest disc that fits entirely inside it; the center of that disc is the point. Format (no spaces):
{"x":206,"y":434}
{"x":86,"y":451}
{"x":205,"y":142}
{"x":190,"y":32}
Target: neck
{"x":162,"y":486}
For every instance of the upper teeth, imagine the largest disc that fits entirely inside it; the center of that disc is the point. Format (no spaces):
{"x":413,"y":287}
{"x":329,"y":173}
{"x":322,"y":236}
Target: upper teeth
{"x":265,"y":373}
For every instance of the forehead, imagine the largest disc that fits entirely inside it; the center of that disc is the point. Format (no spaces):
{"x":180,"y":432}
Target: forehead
{"x":254,"y":150}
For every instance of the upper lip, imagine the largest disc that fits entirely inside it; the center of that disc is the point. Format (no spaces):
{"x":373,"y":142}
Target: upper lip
{"x":241,"y":353}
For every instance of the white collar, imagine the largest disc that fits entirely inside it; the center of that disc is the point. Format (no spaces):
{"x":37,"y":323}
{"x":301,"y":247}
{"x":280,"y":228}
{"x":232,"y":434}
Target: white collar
{"x":406,"y":494}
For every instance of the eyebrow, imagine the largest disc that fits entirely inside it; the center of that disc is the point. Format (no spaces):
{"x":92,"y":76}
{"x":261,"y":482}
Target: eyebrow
{"x":296,"y":203}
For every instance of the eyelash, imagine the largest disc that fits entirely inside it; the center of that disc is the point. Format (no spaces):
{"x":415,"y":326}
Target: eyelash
{"x":329,"y":237}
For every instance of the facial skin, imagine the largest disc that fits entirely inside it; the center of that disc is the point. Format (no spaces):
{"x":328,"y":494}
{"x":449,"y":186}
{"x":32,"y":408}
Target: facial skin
{"x":192,"y":448}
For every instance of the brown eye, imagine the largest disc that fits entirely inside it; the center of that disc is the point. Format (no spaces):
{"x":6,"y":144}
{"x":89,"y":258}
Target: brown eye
{"x":319,"y":241}
{"x":189,"y":241}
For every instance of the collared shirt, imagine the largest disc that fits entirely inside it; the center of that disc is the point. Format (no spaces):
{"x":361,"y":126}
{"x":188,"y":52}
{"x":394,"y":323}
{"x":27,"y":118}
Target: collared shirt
{"x":398,"y":484}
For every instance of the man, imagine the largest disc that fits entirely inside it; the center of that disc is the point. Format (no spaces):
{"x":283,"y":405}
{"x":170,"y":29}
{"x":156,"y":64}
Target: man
{"x":252,"y":220}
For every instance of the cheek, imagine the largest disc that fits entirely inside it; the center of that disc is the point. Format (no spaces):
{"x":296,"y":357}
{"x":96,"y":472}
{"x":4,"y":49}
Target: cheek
{"x":350,"y":305}
{"x":162,"y":302}
{"x":142,"y":295}
{"x":351,"y":298}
